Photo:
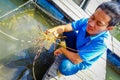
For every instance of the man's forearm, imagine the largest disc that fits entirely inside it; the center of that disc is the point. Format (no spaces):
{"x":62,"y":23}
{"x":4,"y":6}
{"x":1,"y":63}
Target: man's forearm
{"x":63,"y":28}
{"x":73,"y":57}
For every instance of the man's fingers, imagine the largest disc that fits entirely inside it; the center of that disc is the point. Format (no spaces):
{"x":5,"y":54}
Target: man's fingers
{"x":55,"y":33}
{"x":57,"y":52}
{"x":47,"y":31}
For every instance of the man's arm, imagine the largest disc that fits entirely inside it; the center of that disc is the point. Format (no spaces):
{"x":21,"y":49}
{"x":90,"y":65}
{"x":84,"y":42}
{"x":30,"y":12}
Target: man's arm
{"x":60,"y":29}
{"x":73,"y":57}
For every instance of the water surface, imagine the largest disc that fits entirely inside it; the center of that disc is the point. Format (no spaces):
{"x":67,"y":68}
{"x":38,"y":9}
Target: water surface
{"x":18,"y":30}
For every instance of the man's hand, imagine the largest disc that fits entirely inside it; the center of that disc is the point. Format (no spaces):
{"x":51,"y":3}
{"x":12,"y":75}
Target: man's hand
{"x":53,"y":31}
{"x":73,"y":57}
{"x":57,"y":52}
{"x":59,"y":29}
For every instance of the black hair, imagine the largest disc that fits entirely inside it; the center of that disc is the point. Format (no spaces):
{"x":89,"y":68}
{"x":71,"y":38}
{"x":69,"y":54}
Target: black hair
{"x":112,"y":9}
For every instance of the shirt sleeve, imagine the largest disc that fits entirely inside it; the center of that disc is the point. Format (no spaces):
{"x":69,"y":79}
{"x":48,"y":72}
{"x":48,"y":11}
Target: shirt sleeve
{"x":76,"y":25}
{"x":91,"y":51}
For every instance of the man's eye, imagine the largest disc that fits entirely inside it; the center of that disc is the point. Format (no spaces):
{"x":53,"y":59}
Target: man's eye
{"x":92,"y":18}
{"x":99,"y":24}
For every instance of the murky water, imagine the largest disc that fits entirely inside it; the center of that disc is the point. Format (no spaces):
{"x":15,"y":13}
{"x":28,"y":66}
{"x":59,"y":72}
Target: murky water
{"x":112,"y":74}
{"x":8,"y":5}
{"x":18,"y":31}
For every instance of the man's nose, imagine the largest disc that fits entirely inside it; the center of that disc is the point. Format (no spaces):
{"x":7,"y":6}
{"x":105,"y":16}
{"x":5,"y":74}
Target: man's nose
{"x":92,"y":23}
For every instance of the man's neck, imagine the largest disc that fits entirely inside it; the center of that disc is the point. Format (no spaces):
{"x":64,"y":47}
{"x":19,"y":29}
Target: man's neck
{"x":87,"y":34}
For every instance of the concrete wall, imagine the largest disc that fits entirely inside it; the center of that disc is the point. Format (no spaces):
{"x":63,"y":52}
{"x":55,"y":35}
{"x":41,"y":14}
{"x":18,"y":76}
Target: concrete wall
{"x":92,"y":5}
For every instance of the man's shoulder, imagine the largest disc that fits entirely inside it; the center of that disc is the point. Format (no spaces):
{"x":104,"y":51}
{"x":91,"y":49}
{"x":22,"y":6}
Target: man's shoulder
{"x":83,"y":20}
{"x":105,"y":39}
{"x":78,"y":24}
{"x":103,"y":35}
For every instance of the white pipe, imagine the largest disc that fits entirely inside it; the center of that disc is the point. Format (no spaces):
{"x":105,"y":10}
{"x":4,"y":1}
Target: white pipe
{"x":15,"y":9}
{"x":8,"y":35}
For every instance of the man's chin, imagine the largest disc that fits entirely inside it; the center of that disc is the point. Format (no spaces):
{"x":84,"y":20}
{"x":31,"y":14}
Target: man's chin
{"x":89,"y":31}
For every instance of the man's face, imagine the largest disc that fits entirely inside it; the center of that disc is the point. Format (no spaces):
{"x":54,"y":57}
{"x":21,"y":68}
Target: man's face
{"x":98,"y":22}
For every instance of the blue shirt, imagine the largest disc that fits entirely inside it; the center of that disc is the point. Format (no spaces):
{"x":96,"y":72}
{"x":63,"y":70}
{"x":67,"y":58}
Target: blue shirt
{"x":89,"y":48}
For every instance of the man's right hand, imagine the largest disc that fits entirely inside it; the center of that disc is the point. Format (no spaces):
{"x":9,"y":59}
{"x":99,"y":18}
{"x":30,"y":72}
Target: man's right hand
{"x":53,"y":31}
{"x":59,"y":29}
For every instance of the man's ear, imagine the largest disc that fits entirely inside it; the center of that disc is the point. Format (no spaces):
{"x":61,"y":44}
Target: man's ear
{"x":110,"y":28}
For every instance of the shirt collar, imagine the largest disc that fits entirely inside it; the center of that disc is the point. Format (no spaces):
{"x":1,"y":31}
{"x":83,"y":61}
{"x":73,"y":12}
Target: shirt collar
{"x":105,"y":34}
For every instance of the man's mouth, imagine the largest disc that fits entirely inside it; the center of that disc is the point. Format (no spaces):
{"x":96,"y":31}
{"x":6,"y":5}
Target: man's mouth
{"x":89,"y":28}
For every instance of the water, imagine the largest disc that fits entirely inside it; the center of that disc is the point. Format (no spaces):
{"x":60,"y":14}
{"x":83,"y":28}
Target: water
{"x":18,"y":31}
{"x":116,"y":32}
{"x":111,"y":74}
{"x":8,"y":5}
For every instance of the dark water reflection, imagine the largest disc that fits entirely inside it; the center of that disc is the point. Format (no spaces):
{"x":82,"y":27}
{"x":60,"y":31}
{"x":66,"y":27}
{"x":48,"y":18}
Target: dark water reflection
{"x":22,"y":67}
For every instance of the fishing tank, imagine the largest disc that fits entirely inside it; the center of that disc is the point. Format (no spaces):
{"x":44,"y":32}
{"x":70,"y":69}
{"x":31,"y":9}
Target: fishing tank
{"x":22,"y":22}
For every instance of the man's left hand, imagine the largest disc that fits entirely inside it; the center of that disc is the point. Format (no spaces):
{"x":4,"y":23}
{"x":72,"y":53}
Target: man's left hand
{"x":58,"y":51}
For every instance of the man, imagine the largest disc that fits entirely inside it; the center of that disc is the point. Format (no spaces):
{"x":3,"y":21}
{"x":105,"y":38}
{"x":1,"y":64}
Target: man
{"x":85,"y":38}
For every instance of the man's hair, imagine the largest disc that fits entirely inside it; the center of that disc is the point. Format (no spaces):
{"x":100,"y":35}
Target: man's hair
{"x":112,"y":9}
